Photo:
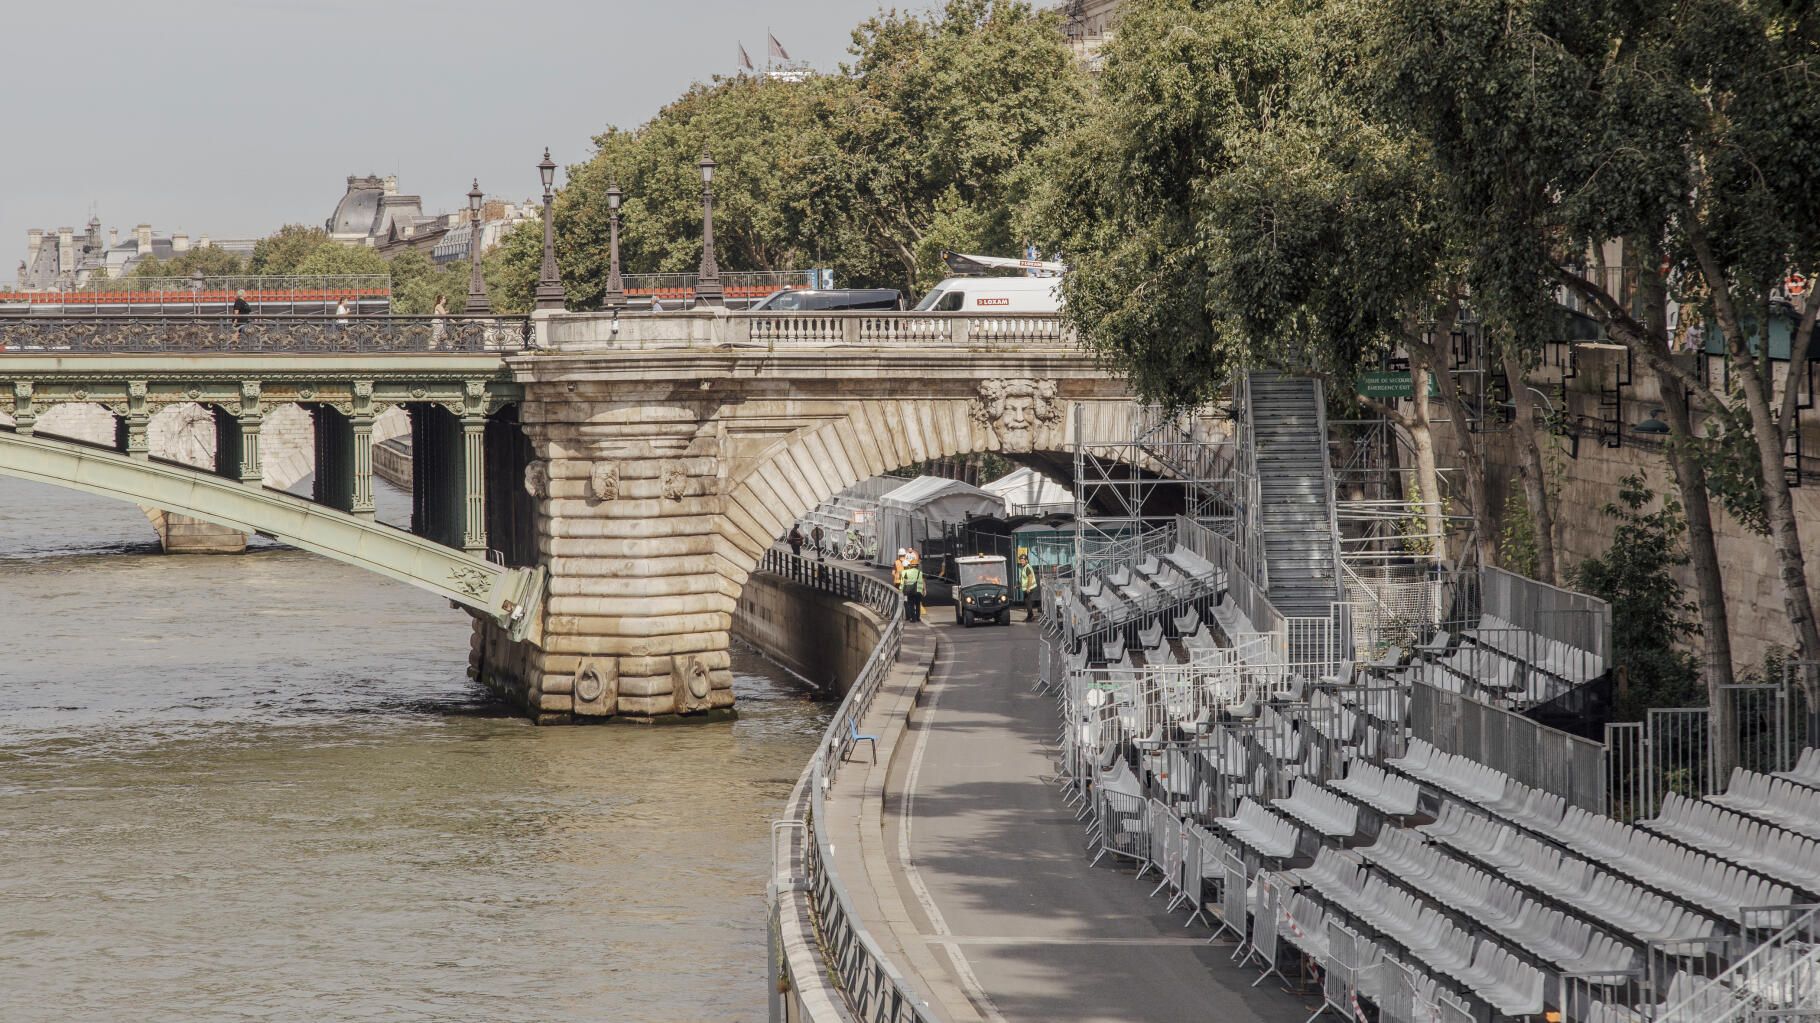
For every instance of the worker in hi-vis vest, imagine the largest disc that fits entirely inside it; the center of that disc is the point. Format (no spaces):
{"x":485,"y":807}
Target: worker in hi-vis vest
{"x":912,"y":585}
{"x":1026,"y":581}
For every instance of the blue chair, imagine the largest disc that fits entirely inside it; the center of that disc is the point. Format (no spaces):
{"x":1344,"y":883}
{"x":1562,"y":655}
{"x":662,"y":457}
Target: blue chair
{"x":854,"y":738}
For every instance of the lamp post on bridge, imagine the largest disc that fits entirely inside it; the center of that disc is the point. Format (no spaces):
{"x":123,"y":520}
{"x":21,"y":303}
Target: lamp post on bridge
{"x":616,"y":289}
{"x":477,"y":283}
{"x":707,"y":279}
{"x":549,"y":280}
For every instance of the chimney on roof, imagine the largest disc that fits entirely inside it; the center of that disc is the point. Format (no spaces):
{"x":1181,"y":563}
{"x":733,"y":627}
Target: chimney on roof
{"x":391,"y":184}
{"x":203,"y":242}
{"x":113,"y":237}
{"x":180,"y":242}
{"x":66,"y":249}
{"x":143,"y":235}
{"x":33,"y":238}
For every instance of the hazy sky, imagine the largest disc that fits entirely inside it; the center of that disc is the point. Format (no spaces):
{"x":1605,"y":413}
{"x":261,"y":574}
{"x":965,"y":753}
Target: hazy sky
{"x":233,"y":118}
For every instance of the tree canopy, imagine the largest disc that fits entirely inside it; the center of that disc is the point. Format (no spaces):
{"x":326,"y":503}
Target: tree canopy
{"x":922,"y":143}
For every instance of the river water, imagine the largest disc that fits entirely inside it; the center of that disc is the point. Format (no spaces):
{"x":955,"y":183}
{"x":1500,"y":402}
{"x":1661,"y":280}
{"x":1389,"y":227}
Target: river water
{"x":262,"y":788}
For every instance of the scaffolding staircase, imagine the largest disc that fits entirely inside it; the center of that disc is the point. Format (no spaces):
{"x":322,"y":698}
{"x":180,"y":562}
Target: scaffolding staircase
{"x":1286,"y":426}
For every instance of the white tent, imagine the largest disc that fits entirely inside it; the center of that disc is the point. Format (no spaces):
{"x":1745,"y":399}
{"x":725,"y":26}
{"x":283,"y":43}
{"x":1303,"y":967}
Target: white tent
{"x":915,"y":512}
{"x":1028,"y":492}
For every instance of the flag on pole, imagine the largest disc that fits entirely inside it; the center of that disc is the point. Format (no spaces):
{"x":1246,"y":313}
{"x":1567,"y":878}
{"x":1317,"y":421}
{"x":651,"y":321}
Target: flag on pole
{"x":745,"y":59}
{"x":777,"y":48}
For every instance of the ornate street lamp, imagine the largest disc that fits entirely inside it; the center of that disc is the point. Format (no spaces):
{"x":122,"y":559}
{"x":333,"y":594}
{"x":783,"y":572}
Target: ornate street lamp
{"x":616,"y":289}
{"x":549,"y":280}
{"x":707,"y":281}
{"x":477,"y":283}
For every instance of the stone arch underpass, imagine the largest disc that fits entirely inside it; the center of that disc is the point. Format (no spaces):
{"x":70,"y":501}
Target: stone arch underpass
{"x":662,"y":478}
{"x":509,"y":598}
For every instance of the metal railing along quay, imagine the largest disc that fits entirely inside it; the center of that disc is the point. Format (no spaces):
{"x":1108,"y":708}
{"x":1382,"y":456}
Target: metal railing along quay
{"x":261,"y":333}
{"x":872,"y":987}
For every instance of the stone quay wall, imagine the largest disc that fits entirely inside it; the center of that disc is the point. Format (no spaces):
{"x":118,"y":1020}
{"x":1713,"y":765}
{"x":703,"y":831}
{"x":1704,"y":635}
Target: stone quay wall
{"x":820,"y":637}
{"x":1589,"y":482}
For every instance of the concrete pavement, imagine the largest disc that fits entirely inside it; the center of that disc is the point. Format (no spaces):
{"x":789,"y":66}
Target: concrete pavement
{"x":984,"y":873}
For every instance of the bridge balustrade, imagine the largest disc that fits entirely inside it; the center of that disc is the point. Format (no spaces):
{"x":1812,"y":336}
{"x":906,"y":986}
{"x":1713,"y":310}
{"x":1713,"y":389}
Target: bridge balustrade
{"x":873,"y":328}
{"x":258,"y":334}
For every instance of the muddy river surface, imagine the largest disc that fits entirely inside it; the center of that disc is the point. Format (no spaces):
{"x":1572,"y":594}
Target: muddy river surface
{"x":261,"y":787}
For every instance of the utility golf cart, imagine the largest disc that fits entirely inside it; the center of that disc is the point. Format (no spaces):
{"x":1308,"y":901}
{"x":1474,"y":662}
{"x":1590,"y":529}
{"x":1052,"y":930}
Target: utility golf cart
{"x":980,"y":590}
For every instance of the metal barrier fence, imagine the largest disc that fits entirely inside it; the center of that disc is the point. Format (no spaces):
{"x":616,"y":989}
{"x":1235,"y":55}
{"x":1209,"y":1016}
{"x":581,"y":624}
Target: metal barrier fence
{"x":737,"y":285}
{"x":874,"y":989}
{"x":179,"y":294}
{"x":1671,"y":749}
{"x":1534,"y":754}
{"x":1577,"y":619}
{"x":260,"y":333}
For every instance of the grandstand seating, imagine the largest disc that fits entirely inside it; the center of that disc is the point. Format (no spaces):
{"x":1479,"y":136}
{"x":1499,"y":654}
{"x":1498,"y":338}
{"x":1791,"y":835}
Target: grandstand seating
{"x":1312,"y":806}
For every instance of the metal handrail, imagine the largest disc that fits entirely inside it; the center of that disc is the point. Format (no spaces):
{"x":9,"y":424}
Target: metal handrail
{"x":871,"y":984}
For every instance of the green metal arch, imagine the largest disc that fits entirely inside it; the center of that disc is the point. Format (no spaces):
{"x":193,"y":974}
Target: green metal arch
{"x":509,"y":596}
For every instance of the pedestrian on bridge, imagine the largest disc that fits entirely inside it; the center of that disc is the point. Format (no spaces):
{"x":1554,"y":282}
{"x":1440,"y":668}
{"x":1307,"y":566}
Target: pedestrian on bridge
{"x":821,"y":553}
{"x":439,"y":325}
{"x":912,"y":587}
{"x":795,"y":540}
{"x":241,"y":311}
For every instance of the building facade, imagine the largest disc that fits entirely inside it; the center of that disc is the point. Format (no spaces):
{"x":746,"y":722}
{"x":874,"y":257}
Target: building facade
{"x":63,"y":260}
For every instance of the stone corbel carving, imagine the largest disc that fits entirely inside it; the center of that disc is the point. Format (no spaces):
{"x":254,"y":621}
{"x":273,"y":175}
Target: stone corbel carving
{"x":675,"y":480}
{"x":604,"y":481}
{"x":1024,"y":414}
{"x":537,"y":480}
{"x":596,"y":689}
{"x":691,"y":682}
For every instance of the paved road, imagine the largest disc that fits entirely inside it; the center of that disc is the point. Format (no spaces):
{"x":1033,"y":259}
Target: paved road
{"x":997,"y":879}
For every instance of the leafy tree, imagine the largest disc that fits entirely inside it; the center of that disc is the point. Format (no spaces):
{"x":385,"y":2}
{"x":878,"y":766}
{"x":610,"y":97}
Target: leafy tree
{"x":1229,"y":200}
{"x":1659,"y":136}
{"x":336,"y":259}
{"x":284,"y":250}
{"x":511,"y":270}
{"x":1649,"y":609}
{"x":416,"y":281}
{"x":922,"y":143}
{"x":210,"y":261}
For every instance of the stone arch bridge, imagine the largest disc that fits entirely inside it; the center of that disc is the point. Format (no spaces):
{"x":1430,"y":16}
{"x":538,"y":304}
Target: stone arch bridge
{"x":595,"y":488}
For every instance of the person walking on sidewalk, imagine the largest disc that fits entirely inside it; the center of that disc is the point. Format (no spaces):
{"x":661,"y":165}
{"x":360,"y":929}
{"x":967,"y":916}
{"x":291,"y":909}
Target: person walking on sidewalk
{"x":1026,"y":581}
{"x":912,"y":586}
{"x":796,"y":541}
{"x":821,"y":553}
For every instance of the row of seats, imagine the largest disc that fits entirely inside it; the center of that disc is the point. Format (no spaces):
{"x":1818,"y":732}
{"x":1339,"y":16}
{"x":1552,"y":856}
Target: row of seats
{"x":1784,"y":855}
{"x":1260,"y":830}
{"x":1563,"y":660}
{"x":1384,"y":792}
{"x":1705,"y":881}
{"x":1614,"y":901}
{"x":1327,"y":814}
{"x":1551,"y":934}
{"x":1781,"y":801}
{"x":1495,"y":975}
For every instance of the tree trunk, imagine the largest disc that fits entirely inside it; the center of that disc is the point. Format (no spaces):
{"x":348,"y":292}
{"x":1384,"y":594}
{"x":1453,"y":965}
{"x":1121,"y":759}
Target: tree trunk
{"x":1766,"y":432}
{"x":1428,"y":477}
{"x":1709,"y":583}
{"x":1472,"y":457}
{"x":1702,"y":551}
{"x":1534,"y":470}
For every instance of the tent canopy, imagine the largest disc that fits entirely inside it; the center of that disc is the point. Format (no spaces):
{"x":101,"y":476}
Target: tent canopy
{"x":1028,"y":492}
{"x":916,"y":511}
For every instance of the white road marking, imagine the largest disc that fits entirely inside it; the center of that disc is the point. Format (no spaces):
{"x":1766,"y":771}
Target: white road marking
{"x":963,"y":970}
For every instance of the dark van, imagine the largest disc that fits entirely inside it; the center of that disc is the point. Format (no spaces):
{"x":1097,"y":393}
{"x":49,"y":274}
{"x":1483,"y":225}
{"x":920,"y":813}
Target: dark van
{"x":832,"y":300}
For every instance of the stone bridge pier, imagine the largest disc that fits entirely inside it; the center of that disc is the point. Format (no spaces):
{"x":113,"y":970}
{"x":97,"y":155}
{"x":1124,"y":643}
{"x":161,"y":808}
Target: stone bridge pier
{"x":662,"y":475}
